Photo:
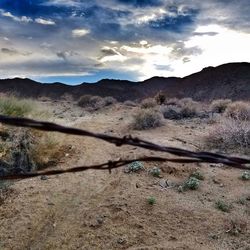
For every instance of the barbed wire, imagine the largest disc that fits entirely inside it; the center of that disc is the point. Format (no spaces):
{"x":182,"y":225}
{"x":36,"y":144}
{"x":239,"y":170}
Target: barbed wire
{"x":191,"y":156}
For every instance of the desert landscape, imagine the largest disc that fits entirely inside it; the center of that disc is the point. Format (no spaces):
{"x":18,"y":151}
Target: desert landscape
{"x":124,"y":124}
{"x":144,"y":205}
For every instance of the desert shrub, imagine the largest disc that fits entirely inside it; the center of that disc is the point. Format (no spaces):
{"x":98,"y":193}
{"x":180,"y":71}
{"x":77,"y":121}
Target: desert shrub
{"x":181,"y":111}
{"x":151,"y":200}
{"x":135,"y":166}
{"x":223,"y":206}
{"x":155,"y":171}
{"x":172,"y":101}
{"x":109,"y":100}
{"x":13,"y":106}
{"x":25,"y":150}
{"x":198,"y":175}
{"x":245,"y":176}
{"x":220,"y":105}
{"x":160,"y":98}
{"x":130,"y":103}
{"x":238,"y":110}
{"x":229,"y":135}
{"x":91,"y":102}
{"x":171,"y":112}
{"x":146,"y":119}
{"x":148,"y":103}
{"x":191,"y":183}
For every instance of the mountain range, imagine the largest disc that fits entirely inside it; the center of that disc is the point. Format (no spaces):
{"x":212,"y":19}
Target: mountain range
{"x":230,"y":80}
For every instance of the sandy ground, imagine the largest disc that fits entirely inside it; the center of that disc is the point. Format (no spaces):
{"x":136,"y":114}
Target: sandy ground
{"x":98,"y":210}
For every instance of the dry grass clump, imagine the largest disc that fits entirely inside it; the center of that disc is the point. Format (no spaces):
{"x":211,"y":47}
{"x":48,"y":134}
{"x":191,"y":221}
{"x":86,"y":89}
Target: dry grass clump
{"x":148,"y":103}
{"x":231,"y":135}
{"x":25,"y":150}
{"x":220,"y":105}
{"x":46,"y":150}
{"x":146,"y":119}
{"x":13,"y":106}
{"x":238,"y":110}
{"x":95,"y":102}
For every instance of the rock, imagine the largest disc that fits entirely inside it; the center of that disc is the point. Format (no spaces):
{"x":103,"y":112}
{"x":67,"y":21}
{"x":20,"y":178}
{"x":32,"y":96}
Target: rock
{"x":121,"y":241}
{"x":44,"y":178}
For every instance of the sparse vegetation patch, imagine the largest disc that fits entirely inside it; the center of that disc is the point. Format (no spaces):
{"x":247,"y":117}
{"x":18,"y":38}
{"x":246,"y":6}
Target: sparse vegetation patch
{"x":223,"y":206}
{"x":220,"y":105}
{"x":147,"y":119}
{"x":191,"y":183}
{"x":238,"y":111}
{"x":245,"y":176}
{"x":135,"y":166}
{"x":229,"y":135}
{"x":151,"y":200}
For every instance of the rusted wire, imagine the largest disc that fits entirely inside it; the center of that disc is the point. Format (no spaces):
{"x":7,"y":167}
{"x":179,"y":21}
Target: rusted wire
{"x":190,"y":156}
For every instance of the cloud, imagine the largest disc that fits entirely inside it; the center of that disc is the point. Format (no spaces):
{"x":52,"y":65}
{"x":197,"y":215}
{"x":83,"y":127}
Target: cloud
{"x":80,"y":32}
{"x":141,"y":3}
{"x":14,"y":52}
{"x":107,"y":51}
{"x":66,"y":54}
{"x":44,"y":21}
{"x":24,"y":19}
{"x":145,"y":37}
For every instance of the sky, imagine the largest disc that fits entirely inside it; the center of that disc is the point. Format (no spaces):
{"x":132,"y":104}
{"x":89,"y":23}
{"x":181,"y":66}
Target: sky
{"x":75,"y":41}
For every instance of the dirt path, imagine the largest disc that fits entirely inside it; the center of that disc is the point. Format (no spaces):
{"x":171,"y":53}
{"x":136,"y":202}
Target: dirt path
{"x":98,"y":210}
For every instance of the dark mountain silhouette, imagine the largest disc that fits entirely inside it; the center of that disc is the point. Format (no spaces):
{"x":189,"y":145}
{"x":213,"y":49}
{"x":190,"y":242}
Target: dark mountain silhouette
{"x":230,"y":80}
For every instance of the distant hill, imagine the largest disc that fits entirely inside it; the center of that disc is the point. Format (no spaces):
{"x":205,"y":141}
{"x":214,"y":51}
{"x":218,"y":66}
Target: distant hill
{"x":230,"y":80}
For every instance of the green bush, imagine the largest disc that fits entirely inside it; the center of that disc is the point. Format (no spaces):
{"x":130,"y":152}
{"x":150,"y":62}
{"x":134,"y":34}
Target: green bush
{"x":151,"y":200}
{"x":146,"y":119}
